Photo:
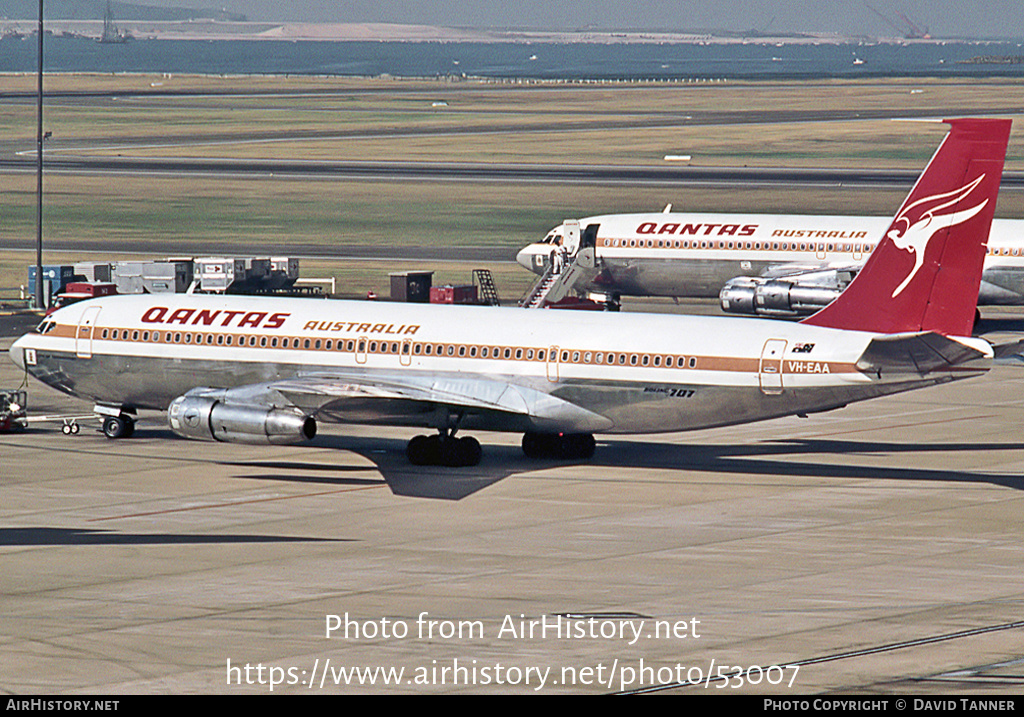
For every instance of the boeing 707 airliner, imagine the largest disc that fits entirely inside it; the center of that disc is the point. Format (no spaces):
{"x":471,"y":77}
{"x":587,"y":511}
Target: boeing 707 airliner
{"x":267,"y":370}
{"x":782,"y":265}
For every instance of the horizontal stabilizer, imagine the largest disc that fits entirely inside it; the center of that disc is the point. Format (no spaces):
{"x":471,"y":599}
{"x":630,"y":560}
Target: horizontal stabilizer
{"x":1010,"y":354}
{"x":920,"y":353}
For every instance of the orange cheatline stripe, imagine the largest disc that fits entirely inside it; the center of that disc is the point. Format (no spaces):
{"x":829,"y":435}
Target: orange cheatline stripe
{"x":461,"y":351}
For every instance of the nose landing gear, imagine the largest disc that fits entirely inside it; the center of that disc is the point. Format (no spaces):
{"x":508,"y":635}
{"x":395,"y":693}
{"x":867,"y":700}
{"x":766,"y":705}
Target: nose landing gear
{"x":118,"y":426}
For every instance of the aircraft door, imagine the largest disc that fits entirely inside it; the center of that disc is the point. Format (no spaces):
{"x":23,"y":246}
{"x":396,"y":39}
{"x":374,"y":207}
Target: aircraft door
{"x":571,"y":235}
{"x":553,"y":364}
{"x":361,"y":343}
{"x":83,"y":337}
{"x":405,"y":358}
{"x":769,"y":370}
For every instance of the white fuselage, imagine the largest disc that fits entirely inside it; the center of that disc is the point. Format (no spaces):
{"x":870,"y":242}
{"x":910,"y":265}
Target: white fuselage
{"x":694,"y":255}
{"x":625,"y":373}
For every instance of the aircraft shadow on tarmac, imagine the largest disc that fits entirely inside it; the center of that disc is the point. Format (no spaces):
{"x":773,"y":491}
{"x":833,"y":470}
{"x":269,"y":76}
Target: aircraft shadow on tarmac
{"x":761,"y":459}
{"x":42,"y":535}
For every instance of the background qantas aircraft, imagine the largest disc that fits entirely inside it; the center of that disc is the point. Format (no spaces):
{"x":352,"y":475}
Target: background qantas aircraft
{"x":265,"y":370}
{"x":763,"y":264}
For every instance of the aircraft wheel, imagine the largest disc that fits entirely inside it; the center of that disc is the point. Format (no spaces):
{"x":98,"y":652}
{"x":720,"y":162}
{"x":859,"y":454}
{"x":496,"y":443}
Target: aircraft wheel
{"x":565,"y":446}
{"x":74,"y":429}
{"x":470,"y":451}
{"x":443,"y":451}
{"x":423,"y":451}
{"x":578,"y":445}
{"x":460,"y":452}
{"x":118,"y":427}
{"x":66,"y":429}
{"x":536,"y":445}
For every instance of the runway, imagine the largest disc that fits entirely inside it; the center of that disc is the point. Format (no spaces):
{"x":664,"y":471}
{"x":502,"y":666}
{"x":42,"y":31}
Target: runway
{"x":486,"y":172}
{"x":874,"y":549}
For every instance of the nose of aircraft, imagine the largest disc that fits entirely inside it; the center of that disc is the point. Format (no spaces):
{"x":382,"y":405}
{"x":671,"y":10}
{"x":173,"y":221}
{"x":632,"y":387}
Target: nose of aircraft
{"x":17,"y":353}
{"x":525,"y":257}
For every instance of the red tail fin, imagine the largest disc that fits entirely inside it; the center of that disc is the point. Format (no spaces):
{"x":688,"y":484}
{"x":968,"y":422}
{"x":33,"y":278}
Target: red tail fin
{"x":925,"y":272}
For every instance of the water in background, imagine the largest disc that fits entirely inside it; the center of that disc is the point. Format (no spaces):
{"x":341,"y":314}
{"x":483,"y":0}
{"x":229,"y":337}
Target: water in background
{"x":514,"y":60}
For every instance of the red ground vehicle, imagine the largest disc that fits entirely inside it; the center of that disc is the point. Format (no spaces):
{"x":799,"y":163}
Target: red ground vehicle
{"x":79,"y":291}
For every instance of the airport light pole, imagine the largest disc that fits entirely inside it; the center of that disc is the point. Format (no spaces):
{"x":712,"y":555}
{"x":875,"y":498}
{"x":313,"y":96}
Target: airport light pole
{"x":39,"y":172}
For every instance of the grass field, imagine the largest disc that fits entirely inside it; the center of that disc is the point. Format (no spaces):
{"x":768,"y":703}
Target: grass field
{"x":721,"y":124}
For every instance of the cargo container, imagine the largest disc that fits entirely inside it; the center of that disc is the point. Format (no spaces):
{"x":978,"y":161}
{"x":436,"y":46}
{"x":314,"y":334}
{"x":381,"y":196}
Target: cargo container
{"x":449,"y":294}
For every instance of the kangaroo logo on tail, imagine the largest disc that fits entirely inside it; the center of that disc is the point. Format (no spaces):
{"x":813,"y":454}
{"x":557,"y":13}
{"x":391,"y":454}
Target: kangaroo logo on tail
{"x":934,"y":250}
{"x":913,"y":235}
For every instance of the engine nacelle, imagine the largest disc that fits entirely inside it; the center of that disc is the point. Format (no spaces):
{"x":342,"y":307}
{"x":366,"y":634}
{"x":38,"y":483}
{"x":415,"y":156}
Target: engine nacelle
{"x":208,"y":418}
{"x":798,"y":295}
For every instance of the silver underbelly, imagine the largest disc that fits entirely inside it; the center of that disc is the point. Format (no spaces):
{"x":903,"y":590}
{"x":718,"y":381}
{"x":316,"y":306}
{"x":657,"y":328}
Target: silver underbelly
{"x":630,"y":407}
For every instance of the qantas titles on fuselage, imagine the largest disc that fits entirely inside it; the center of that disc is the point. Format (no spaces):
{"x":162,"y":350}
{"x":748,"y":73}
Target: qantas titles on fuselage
{"x":746,"y":230}
{"x":264,"y":320}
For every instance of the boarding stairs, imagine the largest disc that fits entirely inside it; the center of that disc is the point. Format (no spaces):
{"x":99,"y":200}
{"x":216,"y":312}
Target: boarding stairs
{"x":488,"y":291}
{"x":557,"y":283}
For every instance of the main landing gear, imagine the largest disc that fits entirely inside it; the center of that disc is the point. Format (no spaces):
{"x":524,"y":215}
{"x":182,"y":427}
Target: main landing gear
{"x":444,"y":449}
{"x":566,"y":446}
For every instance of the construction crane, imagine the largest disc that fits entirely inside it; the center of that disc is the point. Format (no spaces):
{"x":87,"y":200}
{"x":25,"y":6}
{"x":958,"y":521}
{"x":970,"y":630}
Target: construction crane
{"x":910,"y":30}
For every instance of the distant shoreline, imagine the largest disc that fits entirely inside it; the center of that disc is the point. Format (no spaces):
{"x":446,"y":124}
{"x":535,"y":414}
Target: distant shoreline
{"x":380,"y":32}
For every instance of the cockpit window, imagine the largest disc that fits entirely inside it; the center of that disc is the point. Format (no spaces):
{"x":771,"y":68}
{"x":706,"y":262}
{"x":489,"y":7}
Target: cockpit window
{"x":46,"y":327}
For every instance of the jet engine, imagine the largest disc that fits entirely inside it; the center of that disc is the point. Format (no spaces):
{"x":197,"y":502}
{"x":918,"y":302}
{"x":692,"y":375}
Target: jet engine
{"x":794,"y":295}
{"x":206,"y":417}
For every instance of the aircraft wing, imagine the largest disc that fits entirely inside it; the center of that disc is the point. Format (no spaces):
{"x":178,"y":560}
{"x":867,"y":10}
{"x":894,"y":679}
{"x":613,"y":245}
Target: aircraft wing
{"x":920,"y":353}
{"x":408,"y":398}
